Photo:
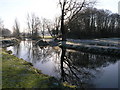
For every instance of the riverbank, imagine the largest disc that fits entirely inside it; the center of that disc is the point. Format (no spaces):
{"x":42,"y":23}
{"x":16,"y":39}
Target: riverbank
{"x":103,"y":46}
{"x":8,"y":42}
{"x":17,"y":73}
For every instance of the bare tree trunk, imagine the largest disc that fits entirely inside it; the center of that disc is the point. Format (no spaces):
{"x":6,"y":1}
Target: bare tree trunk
{"x":62,"y":23}
{"x":70,"y":8}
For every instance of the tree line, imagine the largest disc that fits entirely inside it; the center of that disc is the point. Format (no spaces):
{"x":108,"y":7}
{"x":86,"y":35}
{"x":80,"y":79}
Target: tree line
{"x":94,"y":23}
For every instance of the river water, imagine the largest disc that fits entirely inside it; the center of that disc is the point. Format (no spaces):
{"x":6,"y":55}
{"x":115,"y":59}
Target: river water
{"x":74,"y":67}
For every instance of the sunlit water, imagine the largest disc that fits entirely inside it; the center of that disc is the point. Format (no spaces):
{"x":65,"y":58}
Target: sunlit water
{"x":82,"y":69}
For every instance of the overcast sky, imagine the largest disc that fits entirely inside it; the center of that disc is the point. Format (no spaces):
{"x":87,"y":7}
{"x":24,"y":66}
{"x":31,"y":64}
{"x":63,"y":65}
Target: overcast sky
{"x":11,"y":9}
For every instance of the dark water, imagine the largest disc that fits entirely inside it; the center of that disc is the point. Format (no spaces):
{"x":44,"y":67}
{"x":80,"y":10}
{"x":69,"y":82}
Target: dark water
{"x":77,"y":68}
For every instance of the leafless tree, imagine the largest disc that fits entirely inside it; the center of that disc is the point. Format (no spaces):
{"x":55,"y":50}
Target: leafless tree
{"x":52,"y":27}
{"x":16,"y":29}
{"x":43,"y":27}
{"x":47,"y":25}
{"x":56,"y":27}
{"x":69,"y":8}
{"x":1,"y":26}
{"x":33,"y":23}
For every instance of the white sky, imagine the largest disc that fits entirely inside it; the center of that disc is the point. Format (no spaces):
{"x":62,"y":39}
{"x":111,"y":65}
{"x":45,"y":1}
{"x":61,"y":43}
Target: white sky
{"x":11,"y":9}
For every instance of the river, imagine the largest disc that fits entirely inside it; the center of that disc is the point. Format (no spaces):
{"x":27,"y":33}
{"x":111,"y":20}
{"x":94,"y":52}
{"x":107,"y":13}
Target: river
{"x":74,"y":67}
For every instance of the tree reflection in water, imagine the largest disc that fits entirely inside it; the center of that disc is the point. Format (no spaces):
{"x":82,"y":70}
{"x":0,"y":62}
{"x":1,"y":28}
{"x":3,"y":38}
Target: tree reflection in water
{"x":79,"y":68}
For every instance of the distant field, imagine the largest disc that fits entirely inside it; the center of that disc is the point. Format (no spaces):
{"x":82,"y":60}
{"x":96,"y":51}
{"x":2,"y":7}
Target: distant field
{"x":48,"y":37}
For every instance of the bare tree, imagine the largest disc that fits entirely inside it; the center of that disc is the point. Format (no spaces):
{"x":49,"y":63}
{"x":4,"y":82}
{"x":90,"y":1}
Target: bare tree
{"x":53,"y":27}
{"x":6,"y":33}
{"x":1,"y":27}
{"x":56,"y":27}
{"x":43,"y":27}
{"x":33,"y":23}
{"x":69,"y":8}
{"x":1,"y":24}
{"x":47,"y":25}
{"x":16,"y":29}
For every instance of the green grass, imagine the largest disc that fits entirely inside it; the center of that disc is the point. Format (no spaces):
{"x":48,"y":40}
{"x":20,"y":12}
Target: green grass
{"x":17,"y":73}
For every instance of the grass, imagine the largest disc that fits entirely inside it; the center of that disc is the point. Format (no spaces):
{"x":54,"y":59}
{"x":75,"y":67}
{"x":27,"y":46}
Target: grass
{"x":47,"y":37}
{"x":17,"y":73}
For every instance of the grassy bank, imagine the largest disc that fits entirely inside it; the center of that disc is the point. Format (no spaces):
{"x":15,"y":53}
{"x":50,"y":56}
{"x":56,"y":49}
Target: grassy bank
{"x":17,"y":73}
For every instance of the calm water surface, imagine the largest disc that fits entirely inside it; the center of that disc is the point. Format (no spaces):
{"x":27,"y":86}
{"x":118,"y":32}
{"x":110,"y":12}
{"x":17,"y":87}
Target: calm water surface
{"x":77,"y":68}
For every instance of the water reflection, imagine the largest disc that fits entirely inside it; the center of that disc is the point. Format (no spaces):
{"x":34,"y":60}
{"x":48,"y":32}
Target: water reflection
{"x":81,"y":69}
{"x":77,"y":68}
